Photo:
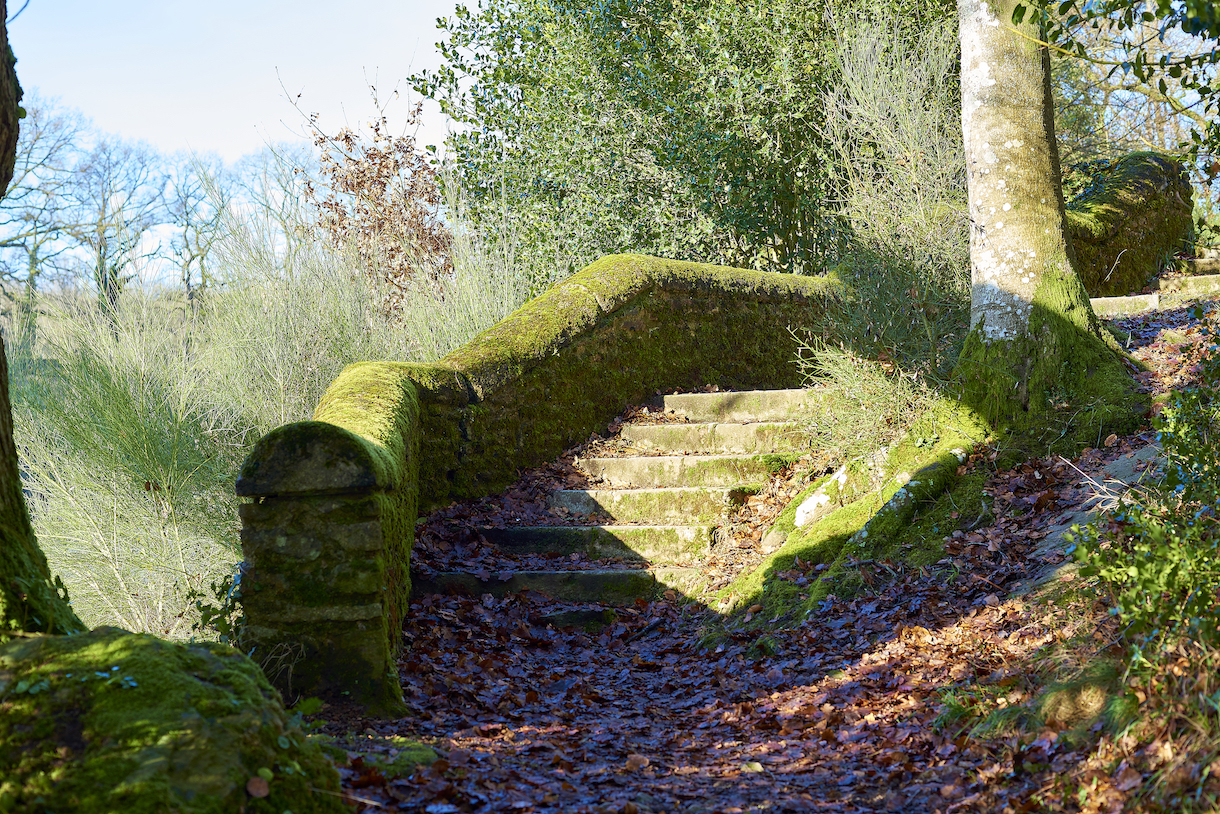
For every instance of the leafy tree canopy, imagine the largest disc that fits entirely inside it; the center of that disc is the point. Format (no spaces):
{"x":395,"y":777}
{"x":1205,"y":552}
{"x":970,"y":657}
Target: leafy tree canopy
{"x":686,"y":128}
{"x":1159,"y":43}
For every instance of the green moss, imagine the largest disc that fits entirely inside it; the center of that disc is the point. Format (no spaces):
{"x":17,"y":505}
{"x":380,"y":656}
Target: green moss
{"x":379,"y":402}
{"x":922,"y":539}
{"x":548,"y":323}
{"x":777,"y":463}
{"x":633,"y":324}
{"x":1129,"y":221}
{"x":394,"y":756}
{"x":1061,"y":387}
{"x":785,"y":523}
{"x":819,"y":543}
{"x":917,"y":472}
{"x":110,"y":721}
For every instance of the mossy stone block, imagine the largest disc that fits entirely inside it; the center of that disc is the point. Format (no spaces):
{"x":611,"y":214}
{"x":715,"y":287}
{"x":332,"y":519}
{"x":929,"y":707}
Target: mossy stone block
{"x":1137,"y":214}
{"x":112,"y":721}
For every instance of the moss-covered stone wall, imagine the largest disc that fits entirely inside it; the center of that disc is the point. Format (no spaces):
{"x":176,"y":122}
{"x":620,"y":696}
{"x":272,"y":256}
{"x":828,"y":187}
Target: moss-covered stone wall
{"x":109,"y":721}
{"x":1123,"y":226}
{"x":566,"y":363}
{"x":328,"y":537}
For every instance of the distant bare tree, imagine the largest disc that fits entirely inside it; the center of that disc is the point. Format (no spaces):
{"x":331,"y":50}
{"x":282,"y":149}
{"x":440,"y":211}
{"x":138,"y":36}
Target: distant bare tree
{"x":272,"y":184}
{"x":118,"y":195}
{"x":198,"y":193}
{"x":34,"y":217}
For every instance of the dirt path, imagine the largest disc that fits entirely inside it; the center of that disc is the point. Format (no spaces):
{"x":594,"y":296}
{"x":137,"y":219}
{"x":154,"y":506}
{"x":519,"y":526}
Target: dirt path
{"x":853,"y":709}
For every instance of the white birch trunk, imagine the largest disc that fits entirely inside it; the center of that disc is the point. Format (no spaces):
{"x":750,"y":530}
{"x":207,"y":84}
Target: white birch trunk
{"x":1017,"y":229}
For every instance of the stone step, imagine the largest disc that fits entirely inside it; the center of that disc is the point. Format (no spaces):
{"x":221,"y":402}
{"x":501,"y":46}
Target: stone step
{"x":1202,"y":284}
{"x":1114,"y":306}
{"x":736,"y":438}
{"x":746,"y":405}
{"x":663,"y":545}
{"x":672,"y":505}
{"x":1201,"y":265}
{"x":616,"y":586}
{"x":682,"y":470}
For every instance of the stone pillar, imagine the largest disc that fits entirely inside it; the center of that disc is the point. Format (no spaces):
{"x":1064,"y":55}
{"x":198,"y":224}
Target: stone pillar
{"x":317,"y":586}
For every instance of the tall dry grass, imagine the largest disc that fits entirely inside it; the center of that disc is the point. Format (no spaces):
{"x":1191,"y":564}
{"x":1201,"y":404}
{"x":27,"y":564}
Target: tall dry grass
{"x":132,"y":425}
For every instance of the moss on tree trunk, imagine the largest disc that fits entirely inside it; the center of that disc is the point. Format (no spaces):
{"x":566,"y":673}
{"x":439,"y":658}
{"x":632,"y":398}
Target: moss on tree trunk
{"x":1036,"y":362}
{"x":1060,"y":385}
{"x":29,"y":599}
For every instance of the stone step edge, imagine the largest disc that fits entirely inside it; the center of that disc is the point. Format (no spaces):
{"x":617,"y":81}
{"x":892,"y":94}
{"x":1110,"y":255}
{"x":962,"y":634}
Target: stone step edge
{"x":676,"y":438}
{"x":762,"y":422}
{"x":1136,"y":303}
{"x":751,"y":405}
{"x":1199,"y":282}
{"x":655,"y":544}
{"x":614,"y":586}
{"x":745,"y":489}
{"x":1111,"y":306}
{"x":682,"y":471}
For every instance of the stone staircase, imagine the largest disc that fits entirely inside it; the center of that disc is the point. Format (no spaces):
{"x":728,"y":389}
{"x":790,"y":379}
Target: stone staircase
{"x":667,"y":491}
{"x":1174,"y":288}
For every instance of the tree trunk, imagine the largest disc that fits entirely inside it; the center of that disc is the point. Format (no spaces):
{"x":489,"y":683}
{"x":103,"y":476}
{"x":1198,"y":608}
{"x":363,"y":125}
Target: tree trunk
{"x":1036,"y":361}
{"x":29,"y":599}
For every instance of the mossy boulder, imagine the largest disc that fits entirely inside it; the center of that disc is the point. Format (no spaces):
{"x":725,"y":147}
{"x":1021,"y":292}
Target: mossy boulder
{"x":113,"y":721}
{"x":1135,"y":214}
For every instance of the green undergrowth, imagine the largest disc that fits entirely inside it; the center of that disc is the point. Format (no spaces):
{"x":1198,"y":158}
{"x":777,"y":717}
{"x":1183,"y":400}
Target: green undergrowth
{"x":1154,"y":564}
{"x":897,"y":510}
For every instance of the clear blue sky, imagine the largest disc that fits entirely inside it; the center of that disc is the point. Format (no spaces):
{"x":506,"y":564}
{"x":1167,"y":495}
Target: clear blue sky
{"x":201,"y":74}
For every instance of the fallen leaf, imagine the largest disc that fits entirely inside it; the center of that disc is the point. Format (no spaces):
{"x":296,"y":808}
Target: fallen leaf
{"x":1128,"y":779}
{"x":637,"y":762}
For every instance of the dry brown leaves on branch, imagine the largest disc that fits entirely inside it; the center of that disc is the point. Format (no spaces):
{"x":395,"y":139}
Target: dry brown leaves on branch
{"x":379,"y":195}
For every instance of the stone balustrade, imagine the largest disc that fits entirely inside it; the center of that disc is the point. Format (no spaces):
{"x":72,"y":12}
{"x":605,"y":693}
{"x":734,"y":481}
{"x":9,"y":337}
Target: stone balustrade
{"x":327,"y":535}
